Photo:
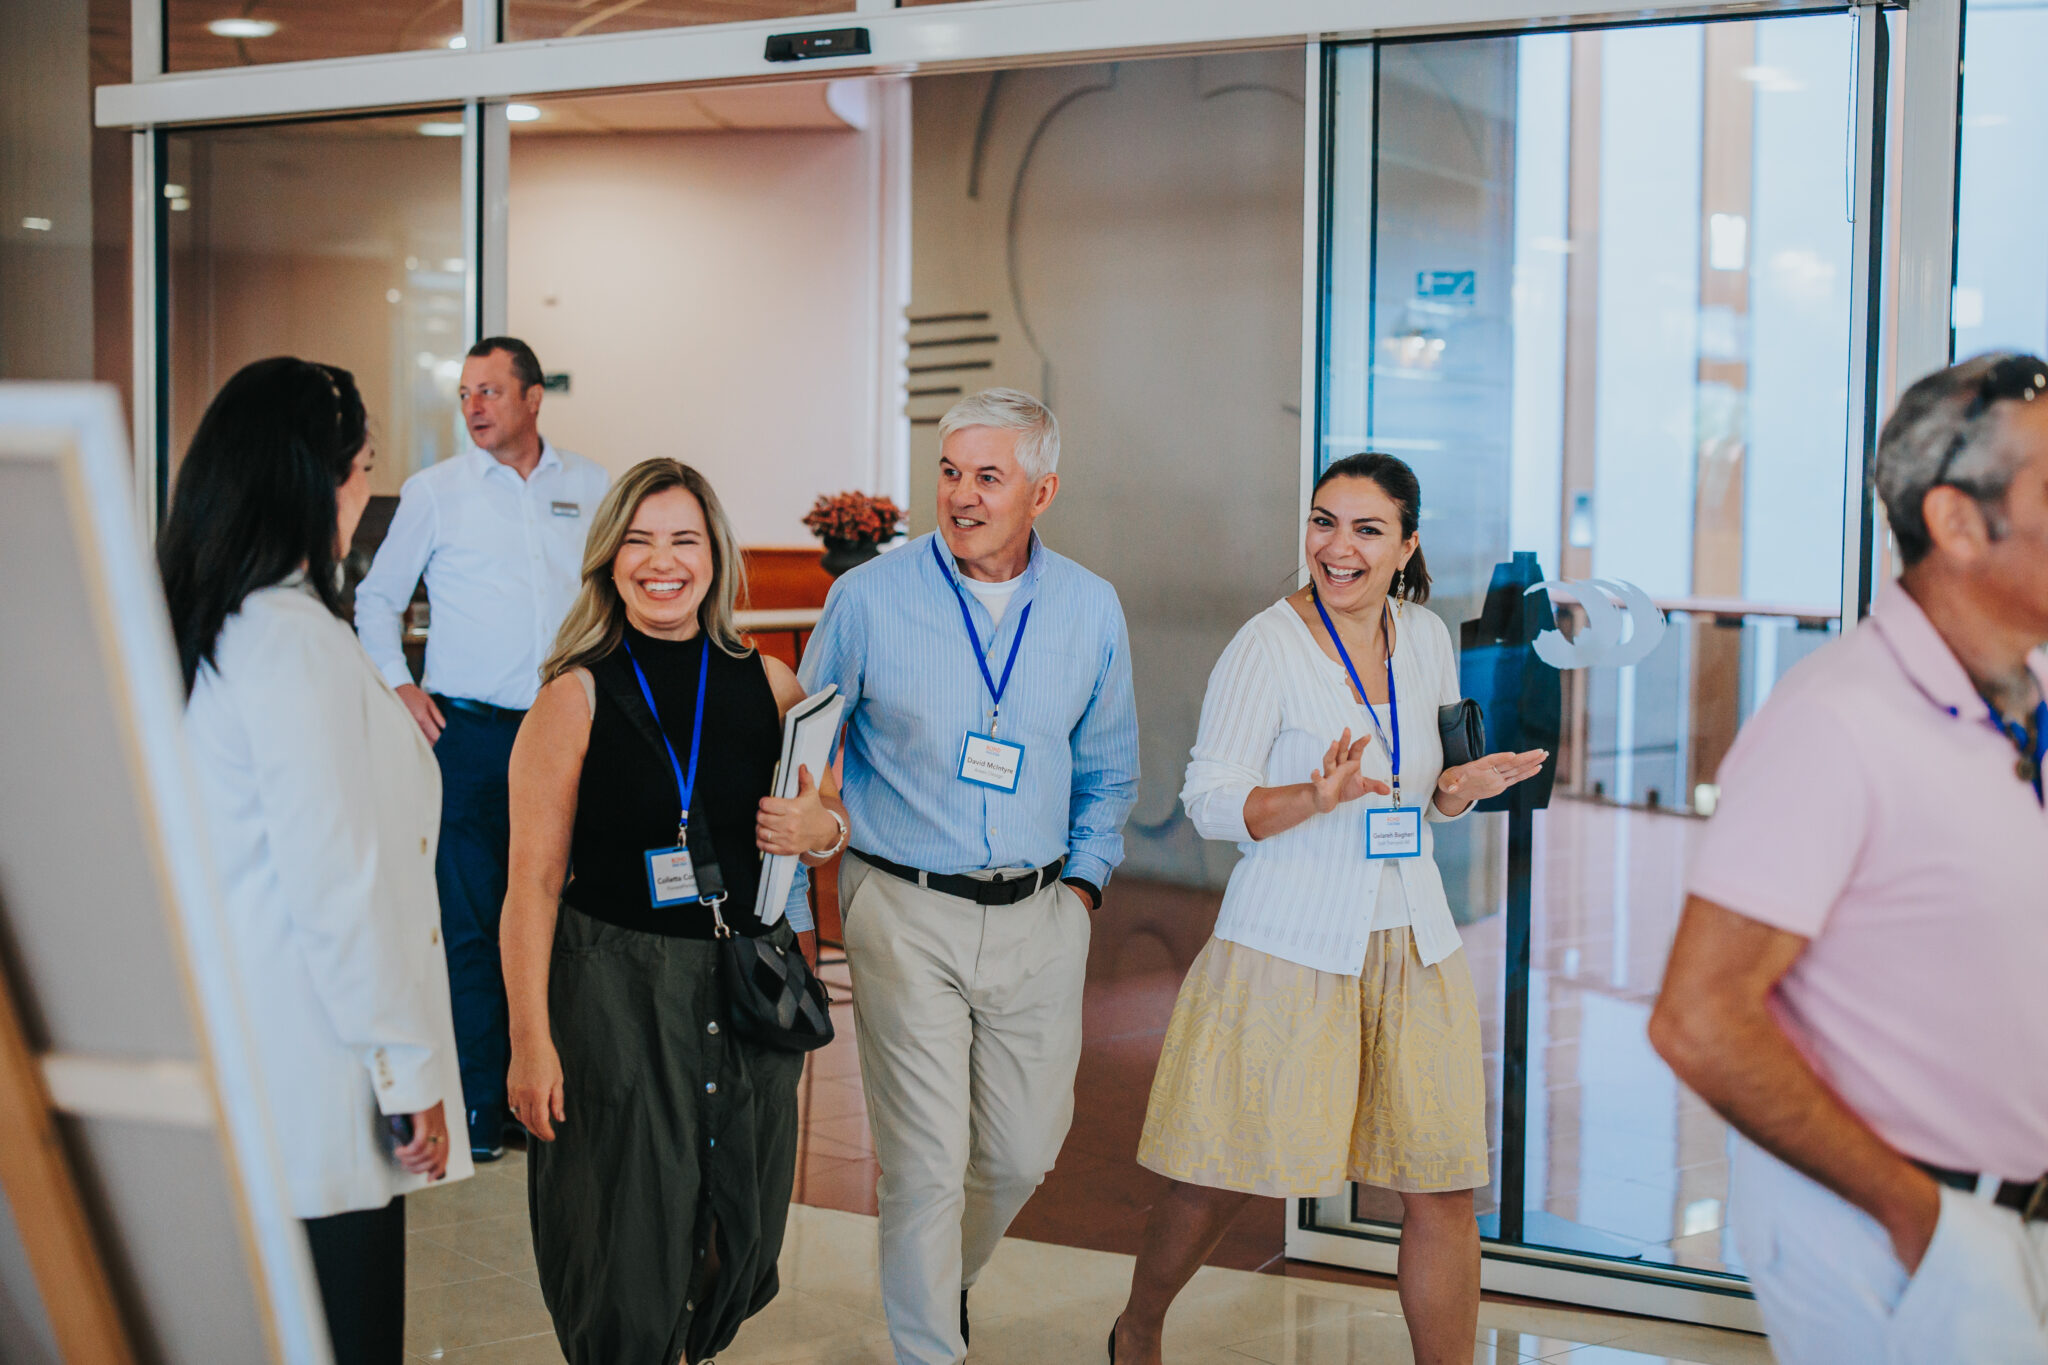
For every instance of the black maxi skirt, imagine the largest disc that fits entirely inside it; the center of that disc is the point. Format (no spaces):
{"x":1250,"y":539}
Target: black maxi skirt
{"x":678,"y":1130}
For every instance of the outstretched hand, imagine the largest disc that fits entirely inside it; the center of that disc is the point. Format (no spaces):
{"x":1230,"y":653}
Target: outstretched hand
{"x":1489,"y":776}
{"x":1339,"y":779}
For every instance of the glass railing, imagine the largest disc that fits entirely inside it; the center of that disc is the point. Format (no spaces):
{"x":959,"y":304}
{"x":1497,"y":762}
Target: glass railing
{"x":1651,"y":736}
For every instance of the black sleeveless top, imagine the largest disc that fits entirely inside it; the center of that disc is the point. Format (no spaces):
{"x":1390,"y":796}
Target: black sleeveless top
{"x":626,"y":800}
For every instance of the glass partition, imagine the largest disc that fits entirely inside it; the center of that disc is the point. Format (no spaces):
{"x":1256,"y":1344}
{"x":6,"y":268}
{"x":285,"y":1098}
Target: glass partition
{"x":338,"y":241}
{"x":2001,"y":287}
{"x":1595,"y":287}
{"x":525,"y":19}
{"x":204,"y":35}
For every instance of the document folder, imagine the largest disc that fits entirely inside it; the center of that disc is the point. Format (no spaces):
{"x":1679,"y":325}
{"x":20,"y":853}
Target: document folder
{"x":808,"y":732}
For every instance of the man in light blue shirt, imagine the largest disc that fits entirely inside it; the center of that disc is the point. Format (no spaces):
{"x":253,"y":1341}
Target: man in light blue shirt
{"x":498,"y":533}
{"x":991,"y":758}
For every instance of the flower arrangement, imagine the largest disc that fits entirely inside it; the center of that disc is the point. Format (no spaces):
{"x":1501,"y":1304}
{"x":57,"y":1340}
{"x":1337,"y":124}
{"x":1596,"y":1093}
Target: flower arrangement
{"x":853,"y":518}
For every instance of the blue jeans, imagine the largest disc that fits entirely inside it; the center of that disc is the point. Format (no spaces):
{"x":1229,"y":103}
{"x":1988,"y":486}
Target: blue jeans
{"x":469,"y":870}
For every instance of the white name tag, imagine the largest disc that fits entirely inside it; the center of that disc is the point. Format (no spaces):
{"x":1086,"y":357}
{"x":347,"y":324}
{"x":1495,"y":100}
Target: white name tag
{"x":566,"y":509}
{"x":1394,"y":832}
{"x":990,"y":762}
{"x":671,"y":877}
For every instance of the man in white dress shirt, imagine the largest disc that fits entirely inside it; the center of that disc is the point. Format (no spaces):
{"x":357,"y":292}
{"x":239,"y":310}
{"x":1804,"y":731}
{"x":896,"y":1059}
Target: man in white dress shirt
{"x":498,"y":533}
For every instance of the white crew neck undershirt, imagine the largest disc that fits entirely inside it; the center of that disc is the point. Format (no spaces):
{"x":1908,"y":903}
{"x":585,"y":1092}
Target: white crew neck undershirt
{"x":995,"y":596}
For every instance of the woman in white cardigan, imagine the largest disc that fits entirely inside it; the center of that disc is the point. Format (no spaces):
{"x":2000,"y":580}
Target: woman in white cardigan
{"x":1329,"y":1031}
{"x":321,"y":801}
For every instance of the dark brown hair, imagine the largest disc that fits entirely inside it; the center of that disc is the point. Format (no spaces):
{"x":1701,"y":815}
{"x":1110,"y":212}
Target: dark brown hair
{"x":1398,"y":482}
{"x":525,"y":365}
{"x":255,"y":497}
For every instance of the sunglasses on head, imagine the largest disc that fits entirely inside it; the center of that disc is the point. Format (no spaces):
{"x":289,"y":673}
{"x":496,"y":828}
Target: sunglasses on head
{"x":2016,"y":378}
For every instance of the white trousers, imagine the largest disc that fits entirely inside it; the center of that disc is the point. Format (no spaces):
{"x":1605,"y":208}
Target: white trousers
{"x":968,"y":1020}
{"x":1833,"y":1292}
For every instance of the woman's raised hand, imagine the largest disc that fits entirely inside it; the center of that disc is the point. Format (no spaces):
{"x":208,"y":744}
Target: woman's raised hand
{"x":1339,"y":779}
{"x":1489,"y":776}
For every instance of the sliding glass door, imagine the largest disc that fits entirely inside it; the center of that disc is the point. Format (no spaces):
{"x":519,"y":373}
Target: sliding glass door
{"x":1599,"y":288}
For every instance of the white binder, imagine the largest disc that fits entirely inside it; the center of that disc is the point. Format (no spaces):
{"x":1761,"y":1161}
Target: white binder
{"x":808,"y":732}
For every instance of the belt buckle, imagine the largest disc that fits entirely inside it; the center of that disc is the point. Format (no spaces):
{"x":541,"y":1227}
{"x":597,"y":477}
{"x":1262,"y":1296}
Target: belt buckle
{"x":2032,"y":1210}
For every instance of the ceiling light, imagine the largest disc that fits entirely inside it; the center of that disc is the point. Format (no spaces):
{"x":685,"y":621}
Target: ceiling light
{"x":242,"y":28}
{"x":440,"y":130}
{"x":36,"y":224}
{"x":180,"y":205}
{"x":458,"y":42}
{"x":521,"y":113}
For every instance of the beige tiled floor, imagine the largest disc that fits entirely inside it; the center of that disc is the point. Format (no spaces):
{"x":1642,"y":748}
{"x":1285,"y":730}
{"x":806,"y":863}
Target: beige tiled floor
{"x":473,"y":1300}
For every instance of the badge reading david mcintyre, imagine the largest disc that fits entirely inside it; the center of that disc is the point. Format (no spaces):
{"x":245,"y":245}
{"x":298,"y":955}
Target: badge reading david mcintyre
{"x":990,"y":762}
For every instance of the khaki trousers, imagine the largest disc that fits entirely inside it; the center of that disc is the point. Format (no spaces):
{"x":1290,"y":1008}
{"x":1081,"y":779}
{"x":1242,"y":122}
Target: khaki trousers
{"x":969,"y":1025}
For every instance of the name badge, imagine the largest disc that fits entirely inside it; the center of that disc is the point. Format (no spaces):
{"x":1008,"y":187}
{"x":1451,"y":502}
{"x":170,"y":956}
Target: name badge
{"x":671,"y":877}
{"x":566,"y":509}
{"x":989,"y":762}
{"x":1394,"y":832}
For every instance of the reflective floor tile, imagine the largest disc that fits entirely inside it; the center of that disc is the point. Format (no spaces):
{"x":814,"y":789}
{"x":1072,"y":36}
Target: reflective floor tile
{"x":475,"y":1313}
{"x":504,"y":1243}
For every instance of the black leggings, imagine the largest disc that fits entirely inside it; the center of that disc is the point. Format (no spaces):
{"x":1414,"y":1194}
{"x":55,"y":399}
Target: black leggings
{"x":359,"y":1259}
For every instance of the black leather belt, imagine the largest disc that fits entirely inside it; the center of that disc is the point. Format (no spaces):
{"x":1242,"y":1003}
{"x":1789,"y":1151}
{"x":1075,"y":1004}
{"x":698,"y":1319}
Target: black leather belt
{"x":481,"y":708}
{"x":2027,"y":1198}
{"x":997,"y":890}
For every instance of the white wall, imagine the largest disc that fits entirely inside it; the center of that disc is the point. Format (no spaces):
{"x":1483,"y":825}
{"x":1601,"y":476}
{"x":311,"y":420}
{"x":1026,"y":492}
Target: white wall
{"x":1133,"y":233}
{"x":712,"y":297}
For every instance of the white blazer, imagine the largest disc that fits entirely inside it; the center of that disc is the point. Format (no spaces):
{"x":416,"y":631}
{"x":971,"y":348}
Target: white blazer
{"x":322,"y":804}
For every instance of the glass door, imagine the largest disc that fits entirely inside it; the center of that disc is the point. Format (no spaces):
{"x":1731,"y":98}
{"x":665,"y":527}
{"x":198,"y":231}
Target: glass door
{"x":1598,"y":288}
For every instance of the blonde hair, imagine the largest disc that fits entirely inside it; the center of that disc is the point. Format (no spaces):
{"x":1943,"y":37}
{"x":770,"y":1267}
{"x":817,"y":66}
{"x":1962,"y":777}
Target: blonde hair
{"x":597,"y":622}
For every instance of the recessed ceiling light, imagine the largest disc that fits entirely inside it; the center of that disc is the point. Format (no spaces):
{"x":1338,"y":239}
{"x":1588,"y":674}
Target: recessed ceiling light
{"x":521,"y":113}
{"x":180,"y":205}
{"x":36,"y":224}
{"x":242,"y":28}
{"x":440,"y":130}
{"x":174,"y":191}
{"x":458,"y":42}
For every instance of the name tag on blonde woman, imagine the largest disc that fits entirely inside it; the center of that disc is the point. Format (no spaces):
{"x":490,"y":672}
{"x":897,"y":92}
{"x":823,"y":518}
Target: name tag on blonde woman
{"x":989,"y":762}
{"x":1394,"y":832}
{"x":671,"y":877}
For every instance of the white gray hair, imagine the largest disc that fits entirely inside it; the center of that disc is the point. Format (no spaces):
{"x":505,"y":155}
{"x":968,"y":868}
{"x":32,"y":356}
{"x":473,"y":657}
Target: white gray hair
{"x":1038,"y":442}
{"x":1934,"y":425}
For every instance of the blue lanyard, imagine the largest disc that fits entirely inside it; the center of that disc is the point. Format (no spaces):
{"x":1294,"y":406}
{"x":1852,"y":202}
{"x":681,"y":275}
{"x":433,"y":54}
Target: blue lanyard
{"x":995,"y":689}
{"x":1393,"y":706}
{"x":684,"y":785}
{"x":2017,"y":733}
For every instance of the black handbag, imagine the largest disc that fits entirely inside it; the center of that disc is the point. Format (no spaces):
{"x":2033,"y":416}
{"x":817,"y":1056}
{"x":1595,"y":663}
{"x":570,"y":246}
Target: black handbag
{"x":771,"y":995}
{"x":1463,"y":730}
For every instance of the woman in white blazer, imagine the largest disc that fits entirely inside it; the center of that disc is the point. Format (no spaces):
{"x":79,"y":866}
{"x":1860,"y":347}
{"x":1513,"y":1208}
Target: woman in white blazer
{"x":322,"y":802}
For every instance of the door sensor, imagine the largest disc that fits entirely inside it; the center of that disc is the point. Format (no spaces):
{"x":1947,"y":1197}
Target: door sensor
{"x":831,"y":42}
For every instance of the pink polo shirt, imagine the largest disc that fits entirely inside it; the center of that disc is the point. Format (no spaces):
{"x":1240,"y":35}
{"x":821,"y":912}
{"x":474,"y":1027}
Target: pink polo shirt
{"x":1872,"y":808}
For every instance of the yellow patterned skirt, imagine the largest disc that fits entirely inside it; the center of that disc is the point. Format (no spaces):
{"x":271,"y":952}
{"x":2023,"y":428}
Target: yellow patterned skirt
{"x":1279,"y":1079}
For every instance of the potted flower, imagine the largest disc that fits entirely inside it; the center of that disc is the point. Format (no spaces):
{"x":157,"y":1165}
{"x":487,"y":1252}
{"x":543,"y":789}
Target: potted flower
{"x":853,"y":527}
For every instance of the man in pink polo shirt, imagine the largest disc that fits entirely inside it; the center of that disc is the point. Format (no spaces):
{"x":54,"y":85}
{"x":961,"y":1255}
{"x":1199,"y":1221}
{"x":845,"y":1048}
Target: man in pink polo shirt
{"x":1859,"y":984}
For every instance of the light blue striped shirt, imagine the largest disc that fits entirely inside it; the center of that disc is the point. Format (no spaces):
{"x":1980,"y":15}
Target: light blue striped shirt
{"x":893,"y":640}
